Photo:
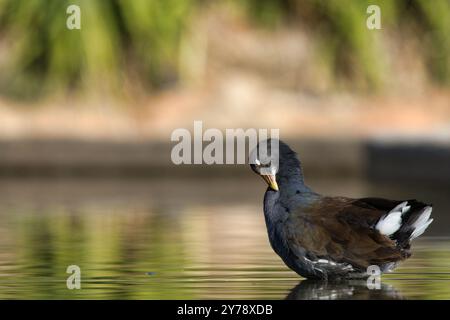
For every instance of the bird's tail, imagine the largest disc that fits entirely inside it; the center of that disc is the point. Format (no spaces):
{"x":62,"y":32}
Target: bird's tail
{"x":406,"y":221}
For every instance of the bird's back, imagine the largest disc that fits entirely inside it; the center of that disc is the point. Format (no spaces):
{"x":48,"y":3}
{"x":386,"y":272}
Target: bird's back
{"x":338,"y":236}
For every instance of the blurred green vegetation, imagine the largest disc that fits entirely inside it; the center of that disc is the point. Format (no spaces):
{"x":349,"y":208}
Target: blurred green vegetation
{"x":140,"y":39}
{"x":354,"y":51}
{"x":115,"y":36}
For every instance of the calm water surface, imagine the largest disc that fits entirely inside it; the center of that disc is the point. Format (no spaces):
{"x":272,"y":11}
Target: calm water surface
{"x":178,"y":239}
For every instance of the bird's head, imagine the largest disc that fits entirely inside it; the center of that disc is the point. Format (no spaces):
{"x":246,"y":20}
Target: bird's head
{"x":276,"y":163}
{"x":264,"y":161}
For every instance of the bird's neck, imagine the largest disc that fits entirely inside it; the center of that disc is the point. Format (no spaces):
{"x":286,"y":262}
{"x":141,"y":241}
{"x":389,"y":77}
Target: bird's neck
{"x":292,"y":182}
{"x":292,"y":193}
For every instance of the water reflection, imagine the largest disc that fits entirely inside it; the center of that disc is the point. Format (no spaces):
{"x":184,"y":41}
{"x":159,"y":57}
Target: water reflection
{"x":167,"y":240}
{"x":341,"y":290}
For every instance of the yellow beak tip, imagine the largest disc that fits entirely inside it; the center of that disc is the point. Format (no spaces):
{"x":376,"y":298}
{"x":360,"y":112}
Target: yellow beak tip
{"x":271,"y":181}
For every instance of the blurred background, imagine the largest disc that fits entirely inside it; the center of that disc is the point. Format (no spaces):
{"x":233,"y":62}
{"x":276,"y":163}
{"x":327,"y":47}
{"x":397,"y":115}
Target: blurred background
{"x":86,"y":117}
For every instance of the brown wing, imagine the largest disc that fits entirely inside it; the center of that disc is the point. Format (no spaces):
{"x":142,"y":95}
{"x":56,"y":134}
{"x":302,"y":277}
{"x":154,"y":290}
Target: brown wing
{"x":342,"y":230}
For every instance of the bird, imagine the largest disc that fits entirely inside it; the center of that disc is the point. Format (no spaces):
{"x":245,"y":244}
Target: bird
{"x":332,"y":237}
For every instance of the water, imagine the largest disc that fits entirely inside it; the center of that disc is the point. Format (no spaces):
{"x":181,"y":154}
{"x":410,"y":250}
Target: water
{"x":183,"y":239}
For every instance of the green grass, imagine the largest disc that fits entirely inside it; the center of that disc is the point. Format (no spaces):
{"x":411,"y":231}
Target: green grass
{"x":141,"y":39}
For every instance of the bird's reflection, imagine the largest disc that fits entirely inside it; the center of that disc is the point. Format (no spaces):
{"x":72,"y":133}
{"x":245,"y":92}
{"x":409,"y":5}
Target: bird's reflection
{"x":341,"y":290}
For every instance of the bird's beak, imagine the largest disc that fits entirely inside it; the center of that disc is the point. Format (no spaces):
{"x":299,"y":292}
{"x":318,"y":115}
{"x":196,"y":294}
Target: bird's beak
{"x":270,"y":180}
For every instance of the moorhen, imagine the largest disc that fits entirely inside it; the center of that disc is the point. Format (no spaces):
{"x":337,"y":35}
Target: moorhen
{"x":323,"y":237}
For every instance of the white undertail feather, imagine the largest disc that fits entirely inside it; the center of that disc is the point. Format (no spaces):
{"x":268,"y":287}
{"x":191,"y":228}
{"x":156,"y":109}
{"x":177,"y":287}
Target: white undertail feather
{"x":392,"y":221}
{"x":422,"y":222}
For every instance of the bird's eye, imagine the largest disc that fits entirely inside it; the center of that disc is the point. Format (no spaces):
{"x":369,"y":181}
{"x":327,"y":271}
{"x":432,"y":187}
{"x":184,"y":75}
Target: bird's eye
{"x":254,"y":168}
{"x":257,"y":166}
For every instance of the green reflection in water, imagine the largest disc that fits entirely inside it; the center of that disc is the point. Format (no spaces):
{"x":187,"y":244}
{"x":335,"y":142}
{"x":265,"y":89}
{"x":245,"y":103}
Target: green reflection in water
{"x":144,"y":251}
